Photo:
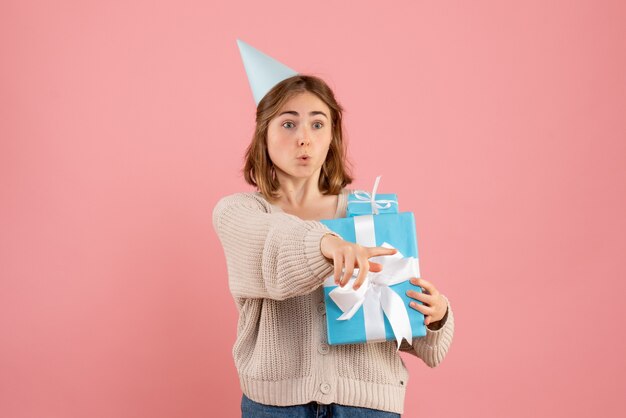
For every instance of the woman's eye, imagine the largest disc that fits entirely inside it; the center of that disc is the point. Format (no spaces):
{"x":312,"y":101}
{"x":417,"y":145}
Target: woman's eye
{"x":290,"y":124}
{"x":318,"y":125}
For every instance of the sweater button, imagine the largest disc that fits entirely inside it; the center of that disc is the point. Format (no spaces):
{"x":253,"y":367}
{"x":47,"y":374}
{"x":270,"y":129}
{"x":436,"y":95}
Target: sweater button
{"x":325,"y":388}
{"x":321,"y":308}
{"x":323,"y":348}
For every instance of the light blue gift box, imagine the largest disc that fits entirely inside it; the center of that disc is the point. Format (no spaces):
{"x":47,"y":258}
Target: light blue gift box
{"x":398,"y":230}
{"x":359,"y":203}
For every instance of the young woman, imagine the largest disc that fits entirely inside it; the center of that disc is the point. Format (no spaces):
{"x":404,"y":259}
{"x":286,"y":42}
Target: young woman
{"x":278,"y":254}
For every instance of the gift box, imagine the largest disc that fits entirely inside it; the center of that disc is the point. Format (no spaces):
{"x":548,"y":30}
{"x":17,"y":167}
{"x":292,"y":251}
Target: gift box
{"x":361,"y":203}
{"x":379,"y":310}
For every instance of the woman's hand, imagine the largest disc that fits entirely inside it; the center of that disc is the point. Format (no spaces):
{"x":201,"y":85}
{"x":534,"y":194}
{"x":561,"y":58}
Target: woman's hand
{"x":350,"y":255}
{"x":435,"y":305}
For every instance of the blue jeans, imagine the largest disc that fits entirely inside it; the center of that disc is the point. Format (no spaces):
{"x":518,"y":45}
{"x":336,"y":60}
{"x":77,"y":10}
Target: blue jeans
{"x":252,"y":409}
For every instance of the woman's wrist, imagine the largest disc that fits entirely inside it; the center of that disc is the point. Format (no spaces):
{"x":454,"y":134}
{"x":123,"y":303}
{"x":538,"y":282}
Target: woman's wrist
{"x":437,"y":325}
{"x":324,"y":244}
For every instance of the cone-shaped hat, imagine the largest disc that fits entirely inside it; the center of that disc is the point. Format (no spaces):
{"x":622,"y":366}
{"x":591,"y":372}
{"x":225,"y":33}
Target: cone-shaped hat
{"x":263,"y":71}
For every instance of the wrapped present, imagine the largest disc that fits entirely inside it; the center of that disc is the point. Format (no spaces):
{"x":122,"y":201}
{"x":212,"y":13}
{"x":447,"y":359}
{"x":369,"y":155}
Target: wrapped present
{"x":364,"y":203}
{"x":379,"y":310}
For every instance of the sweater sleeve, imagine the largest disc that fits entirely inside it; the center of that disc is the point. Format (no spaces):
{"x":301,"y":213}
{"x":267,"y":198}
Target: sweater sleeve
{"x":269,"y":255}
{"x":433,"y":347}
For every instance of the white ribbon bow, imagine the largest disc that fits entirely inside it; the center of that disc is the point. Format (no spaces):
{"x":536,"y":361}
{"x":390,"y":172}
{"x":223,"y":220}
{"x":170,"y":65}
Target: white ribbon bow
{"x":377,"y":298}
{"x":365,"y":197}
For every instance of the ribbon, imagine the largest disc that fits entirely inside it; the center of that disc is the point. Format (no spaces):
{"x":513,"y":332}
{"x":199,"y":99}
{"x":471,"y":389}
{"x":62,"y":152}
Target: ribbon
{"x":365,"y":197}
{"x":374,"y":294}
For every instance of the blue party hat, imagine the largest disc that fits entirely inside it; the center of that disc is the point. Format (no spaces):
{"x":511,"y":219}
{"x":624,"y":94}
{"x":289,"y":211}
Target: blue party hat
{"x":263,"y":71}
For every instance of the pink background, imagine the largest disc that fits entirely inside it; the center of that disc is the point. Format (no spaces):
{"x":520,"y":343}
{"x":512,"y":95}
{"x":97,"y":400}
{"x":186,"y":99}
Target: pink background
{"x":499,"y":124}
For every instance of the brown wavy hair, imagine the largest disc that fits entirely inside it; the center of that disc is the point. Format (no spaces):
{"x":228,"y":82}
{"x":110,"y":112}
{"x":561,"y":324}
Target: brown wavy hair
{"x":259,"y":169}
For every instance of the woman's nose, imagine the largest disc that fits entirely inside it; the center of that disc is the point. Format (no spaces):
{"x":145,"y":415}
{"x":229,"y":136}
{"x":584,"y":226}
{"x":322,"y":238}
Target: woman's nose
{"x":303,"y":136}
{"x":304,"y":139}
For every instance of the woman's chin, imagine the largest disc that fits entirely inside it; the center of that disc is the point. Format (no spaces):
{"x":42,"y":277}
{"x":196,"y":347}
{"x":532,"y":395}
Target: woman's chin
{"x":302,"y":172}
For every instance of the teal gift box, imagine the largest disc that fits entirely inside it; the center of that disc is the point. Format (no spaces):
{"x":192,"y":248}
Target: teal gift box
{"x":360,"y":203}
{"x":385,"y":297}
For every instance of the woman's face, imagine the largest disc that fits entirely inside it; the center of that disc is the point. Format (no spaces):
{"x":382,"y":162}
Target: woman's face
{"x":302,"y":127}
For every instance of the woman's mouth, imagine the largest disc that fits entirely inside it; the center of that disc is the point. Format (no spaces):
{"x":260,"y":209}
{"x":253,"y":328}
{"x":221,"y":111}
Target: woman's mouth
{"x":304,"y":158}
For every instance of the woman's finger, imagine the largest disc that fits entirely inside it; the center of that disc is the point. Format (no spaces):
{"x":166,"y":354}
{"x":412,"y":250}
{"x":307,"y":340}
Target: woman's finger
{"x":363,"y":270}
{"x":422,"y":297}
{"x":338,"y":268}
{"x":374,"y":251}
{"x":426,"y":310}
{"x":349,"y":269}
{"x":429,"y":288}
{"x":375,"y":267}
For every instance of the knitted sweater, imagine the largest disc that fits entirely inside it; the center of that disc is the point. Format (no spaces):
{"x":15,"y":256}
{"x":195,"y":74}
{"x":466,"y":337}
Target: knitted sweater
{"x":275,"y":274}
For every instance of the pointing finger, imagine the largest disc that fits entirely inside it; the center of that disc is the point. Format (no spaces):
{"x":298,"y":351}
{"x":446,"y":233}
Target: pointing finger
{"x":381,"y":251}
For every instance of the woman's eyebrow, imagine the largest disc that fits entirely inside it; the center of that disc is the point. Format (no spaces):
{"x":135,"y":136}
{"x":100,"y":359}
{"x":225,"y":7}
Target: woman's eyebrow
{"x":315,"y":112}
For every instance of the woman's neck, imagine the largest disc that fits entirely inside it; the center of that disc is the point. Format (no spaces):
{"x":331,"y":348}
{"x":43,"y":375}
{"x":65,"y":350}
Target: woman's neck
{"x":298,"y":192}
